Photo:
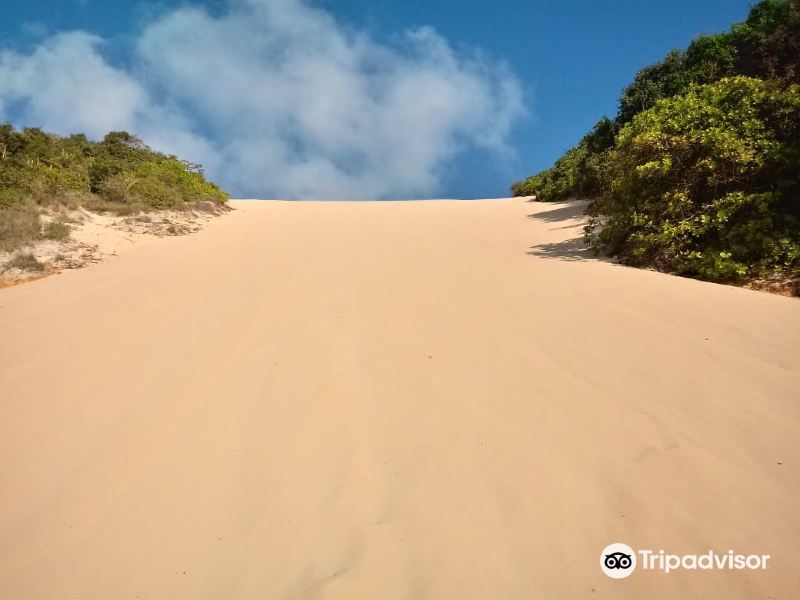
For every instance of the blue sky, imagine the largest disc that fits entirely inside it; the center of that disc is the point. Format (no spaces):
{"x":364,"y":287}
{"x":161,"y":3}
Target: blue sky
{"x":568,"y":60}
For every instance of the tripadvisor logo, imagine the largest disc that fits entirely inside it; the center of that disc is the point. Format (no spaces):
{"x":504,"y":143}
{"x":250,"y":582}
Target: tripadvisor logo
{"x":619,"y":560}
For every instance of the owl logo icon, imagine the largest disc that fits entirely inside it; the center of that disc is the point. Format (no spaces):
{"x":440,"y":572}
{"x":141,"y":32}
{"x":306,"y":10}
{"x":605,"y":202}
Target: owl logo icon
{"x":618,"y":560}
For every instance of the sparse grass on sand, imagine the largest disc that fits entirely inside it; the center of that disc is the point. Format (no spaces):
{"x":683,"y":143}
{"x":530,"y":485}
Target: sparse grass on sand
{"x":20,"y":225}
{"x":25,"y":261}
{"x":38,"y":240}
{"x":57,"y":231}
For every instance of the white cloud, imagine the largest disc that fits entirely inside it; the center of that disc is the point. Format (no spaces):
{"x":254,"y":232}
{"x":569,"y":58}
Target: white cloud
{"x":276,"y":98}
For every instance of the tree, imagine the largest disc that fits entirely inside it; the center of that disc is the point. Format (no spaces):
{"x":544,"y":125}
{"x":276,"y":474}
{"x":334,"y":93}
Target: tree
{"x":708,"y":183}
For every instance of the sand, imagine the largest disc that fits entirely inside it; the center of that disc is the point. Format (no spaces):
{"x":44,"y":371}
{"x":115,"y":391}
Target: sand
{"x":391,"y":400}
{"x":96,"y":237}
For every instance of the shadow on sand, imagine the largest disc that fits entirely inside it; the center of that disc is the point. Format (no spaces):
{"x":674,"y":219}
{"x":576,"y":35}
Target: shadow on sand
{"x":573,"y":210}
{"x":571,"y":249}
{"x":571,"y":215}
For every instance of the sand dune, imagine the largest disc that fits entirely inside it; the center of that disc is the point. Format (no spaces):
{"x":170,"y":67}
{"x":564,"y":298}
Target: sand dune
{"x":391,"y":400}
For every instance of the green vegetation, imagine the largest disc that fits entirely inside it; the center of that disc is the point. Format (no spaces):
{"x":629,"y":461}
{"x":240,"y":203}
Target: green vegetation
{"x":56,"y":230}
{"x":579,"y":173}
{"x":714,"y":201}
{"x":699,"y":173}
{"x":118,"y":174}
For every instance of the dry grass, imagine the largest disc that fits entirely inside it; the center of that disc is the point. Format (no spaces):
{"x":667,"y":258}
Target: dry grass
{"x":19,"y":226}
{"x":204,"y":206}
{"x":25,"y":261}
{"x":62,"y":200}
{"x":57,"y":231}
{"x":122,"y":209}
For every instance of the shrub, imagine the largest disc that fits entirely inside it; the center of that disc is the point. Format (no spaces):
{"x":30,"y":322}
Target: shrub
{"x":169,"y":184}
{"x":119,"y":174}
{"x":57,"y":231}
{"x":118,"y":188}
{"x":25,"y":261}
{"x":766,"y":45}
{"x":9,"y":196}
{"x":579,"y":173}
{"x":556,"y":183}
{"x":707,"y":184}
{"x":19,"y":226}
{"x":119,"y":170}
{"x":660,"y":80}
{"x":698,"y":174}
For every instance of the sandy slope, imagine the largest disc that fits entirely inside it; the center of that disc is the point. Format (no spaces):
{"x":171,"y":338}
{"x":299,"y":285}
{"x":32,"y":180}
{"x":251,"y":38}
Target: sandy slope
{"x":96,"y":237}
{"x":391,"y":400}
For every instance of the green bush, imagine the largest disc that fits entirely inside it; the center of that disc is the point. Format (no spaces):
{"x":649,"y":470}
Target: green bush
{"x":652,"y":83}
{"x":580,"y":173}
{"x":9,"y":196}
{"x":707,"y":184}
{"x":765,"y":46}
{"x":556,"y":183}
{"x":56,"y":230}
{"x":698,"y":173}
{"x":119,"y":172}
{"x":118,"y":188}
{"x":169,"y":184}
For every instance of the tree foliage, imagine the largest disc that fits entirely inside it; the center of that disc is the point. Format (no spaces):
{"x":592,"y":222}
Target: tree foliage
{"x":698,"y":173}
{"x":46,"y":169}
{"x":579,"y":173}
{"x":765,"y":46}
{"x":708,"y":183}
